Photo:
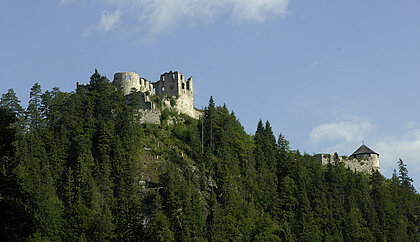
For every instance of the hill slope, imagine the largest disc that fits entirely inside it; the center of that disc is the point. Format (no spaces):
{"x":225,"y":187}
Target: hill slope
{"x":78,"y":166}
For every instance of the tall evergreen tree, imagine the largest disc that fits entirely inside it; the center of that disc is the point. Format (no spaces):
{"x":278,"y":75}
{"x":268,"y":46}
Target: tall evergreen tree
{"x":10,"y":100}
{"x":265,"y":154}
{"x":16,"y":218}
{"x":33,"y":112}
{"x":404,"y":179}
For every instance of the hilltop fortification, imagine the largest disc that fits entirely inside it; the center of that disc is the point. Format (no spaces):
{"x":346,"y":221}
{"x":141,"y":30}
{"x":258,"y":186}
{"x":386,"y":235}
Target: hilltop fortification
{"x":363,"y":159}
{"x":172,"y":90}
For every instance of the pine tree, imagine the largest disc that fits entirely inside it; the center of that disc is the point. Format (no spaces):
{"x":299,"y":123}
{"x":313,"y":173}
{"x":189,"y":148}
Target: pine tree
{"x":160,"y":230}
{"x":209,"y":125}
{"x":265,"y":154}
{"x":404,"y":179}
{"x":16,"y":218}
{"x":34,"y":114}
{"x":9,"y":100}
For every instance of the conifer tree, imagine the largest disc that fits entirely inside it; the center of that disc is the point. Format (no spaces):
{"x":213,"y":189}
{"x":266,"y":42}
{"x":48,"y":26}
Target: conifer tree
{"x":10,"y":100}
{"x":265,"y":154}
{"x":404,"y":179}
{"x":16,"y":218}
{"x":34,"y":114}
{"x":160,"y":230}
{"x":209,"y":125}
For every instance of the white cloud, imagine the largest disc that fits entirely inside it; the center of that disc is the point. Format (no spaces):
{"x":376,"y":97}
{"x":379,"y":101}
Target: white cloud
{"x":348,"y":131}
{"x":406,"y":147}
{"x":345,"y":136}
{"x":107,"y":22}
{"x":160,"y":15}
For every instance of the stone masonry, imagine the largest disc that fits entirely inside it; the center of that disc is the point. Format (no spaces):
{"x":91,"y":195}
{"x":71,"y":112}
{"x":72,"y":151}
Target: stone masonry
{"x":362,"y":160}
{"x":171,"y":85}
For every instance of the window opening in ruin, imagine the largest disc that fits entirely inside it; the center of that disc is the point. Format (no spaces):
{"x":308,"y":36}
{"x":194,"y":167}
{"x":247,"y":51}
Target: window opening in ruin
{"x":127,"y":78}
{"x":188,"y":86}
{"x":154,"y":91}
{"x":173,"y":76}
{"x":163,"y":89}
{"x":183,"y":85}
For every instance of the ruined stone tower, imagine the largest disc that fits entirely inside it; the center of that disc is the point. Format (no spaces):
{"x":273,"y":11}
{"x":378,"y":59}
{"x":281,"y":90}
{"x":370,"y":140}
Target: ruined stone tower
{"x":129,"y":80}
{"x":174,"y":84}
{"x":170,"y":85}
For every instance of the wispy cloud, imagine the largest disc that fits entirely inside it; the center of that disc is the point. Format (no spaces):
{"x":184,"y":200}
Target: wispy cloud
{"x":405,"y":146}
{"x":161,"y":15}
{"x":258,"y":10}
{"x":346,"y":136}
{"x":312,"y":66}
{"x":348,"y":131}
{"x":107,"y":22}
{"x":64,"y":2}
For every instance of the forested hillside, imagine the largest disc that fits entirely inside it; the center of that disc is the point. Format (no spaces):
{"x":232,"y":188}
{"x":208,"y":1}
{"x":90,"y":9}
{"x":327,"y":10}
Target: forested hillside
{"x":78,"y":167}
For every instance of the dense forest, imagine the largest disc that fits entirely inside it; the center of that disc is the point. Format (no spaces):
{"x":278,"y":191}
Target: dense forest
{"x":79,"y":167}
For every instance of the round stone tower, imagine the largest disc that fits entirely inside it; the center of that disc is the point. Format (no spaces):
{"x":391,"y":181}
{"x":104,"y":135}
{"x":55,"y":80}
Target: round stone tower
{"x":365,"y":153}
{"x":127,"y":81}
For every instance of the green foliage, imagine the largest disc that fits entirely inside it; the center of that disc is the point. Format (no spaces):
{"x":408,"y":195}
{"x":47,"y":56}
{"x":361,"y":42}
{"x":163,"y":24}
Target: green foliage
{"x":172,"y":100}
{"x":80,"y":168}
{"x":10,"y":101}
{"x":158,"y":100}
{"x":7,"y":131}
{"x":34,"y":108}
{"x":17,"y":220}
{"x":160,"y":230}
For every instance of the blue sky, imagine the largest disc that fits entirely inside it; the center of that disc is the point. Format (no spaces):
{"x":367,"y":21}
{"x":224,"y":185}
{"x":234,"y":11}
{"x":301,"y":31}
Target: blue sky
{"x":328,"y":74}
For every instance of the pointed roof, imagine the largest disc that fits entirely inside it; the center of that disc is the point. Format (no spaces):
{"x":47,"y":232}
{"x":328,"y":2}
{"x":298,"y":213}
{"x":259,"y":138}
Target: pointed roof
{"x":363,"y":150}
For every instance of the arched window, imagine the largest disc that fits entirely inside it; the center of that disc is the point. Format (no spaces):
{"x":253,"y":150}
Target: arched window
{"x":183,"y":85}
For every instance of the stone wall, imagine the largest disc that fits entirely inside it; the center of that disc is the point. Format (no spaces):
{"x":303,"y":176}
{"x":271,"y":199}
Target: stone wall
{"x":366,"y":164}
{"x":131,"y":80}
{"x":184,"y":104}
{"x":171,"y":84}
{"x":148,"y":116}
{"x":127,"y":81}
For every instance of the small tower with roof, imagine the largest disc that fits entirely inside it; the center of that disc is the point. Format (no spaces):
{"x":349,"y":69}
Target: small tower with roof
{"x":366,"y":153}
{"x":364,"y":159}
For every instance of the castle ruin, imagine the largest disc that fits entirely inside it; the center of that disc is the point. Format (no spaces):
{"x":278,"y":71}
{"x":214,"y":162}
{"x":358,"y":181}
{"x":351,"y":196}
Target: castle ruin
{"x":171,"y":86}
{"x":363,"y":159}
